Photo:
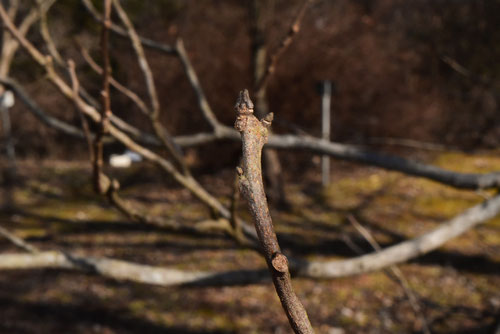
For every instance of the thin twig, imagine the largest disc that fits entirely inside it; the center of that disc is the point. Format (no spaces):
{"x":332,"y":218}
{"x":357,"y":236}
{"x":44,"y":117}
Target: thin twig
{"x":13,"y":7}
{"x":285,"y":43}
{"x":254,"y":135}
{"x":235,"y":221}
{"x":9,"y":44}
{"x":119,"y":87}
{"x":195,"y":83}
{"x":39,"y":113}
{"x":154,"y":115}
{"x":139,"y":216}
{"x":44,"y":31}
{"x":141,"y":58}
{"x":18,"y":241}
{"x":398,"y":274}
{"x":123,"y":33}
{"x":462,"y":70}
{"x":273,"y":170}
{"x":75,"y":84}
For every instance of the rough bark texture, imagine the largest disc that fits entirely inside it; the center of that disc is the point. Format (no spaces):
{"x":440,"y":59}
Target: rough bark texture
{"x":254,"y":135}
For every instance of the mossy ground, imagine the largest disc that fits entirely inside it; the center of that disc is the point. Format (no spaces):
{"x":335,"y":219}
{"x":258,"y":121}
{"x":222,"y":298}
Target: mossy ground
{"x":457,"y":285}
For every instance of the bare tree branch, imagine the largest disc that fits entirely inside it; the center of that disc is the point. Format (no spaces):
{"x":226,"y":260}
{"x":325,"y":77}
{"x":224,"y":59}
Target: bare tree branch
{"x":235,"y":198}
{"x":313,"y":269}
{"x":254,"y":135}
{"x":285,"y":43}
{"x":402,"y":252}
{"x":123,"y":270}
{"x":123,"y":33}
{"x":292,"y":142}
{"x":13,"y":7}
{"x":44,"y":31}
{"x":195,"y":83}
{"x":398,"y":274}
{"x":121,"y":88}
{"x":38,"y":112}
{"x":9,"y":44}
{"x":460,"y":69}
{"x":390,"y":162}
{"x":211,"y":225}
{"x":141,"y":58}
{"x":18,"y":241}
{"x":272,"y":165}
{"x":186,"y":181}
{"x":336,"y":150}
{"x":154,"y":115}
{"x":406,"y":250}
{"x":75,"y":84}
{"x":120,"y":270}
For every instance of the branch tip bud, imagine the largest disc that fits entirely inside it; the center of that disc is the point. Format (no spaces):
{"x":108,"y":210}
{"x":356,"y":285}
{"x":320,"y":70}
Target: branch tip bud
{"x":267,"y":120}
{"x":244,"y":104}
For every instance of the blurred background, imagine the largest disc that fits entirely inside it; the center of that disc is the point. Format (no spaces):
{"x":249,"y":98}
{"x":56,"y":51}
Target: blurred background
{"x":418,"y":79}
{"x":422,"y":70}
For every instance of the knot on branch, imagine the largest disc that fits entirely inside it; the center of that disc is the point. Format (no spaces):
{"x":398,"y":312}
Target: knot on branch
{"x":102,"y":183}
{"x":267,"y":120}
{"x":242,"y":181}
{"x":280,"y":262}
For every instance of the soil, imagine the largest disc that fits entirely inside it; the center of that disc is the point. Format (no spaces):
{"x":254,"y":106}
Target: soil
{"x":457,"y":286}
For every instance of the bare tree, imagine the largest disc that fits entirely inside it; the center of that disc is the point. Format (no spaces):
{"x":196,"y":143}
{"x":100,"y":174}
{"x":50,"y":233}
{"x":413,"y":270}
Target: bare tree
{"x":253,"y":134}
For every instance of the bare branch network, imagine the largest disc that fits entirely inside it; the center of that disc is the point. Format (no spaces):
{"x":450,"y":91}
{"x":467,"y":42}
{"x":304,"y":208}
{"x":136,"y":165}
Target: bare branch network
{"x":254,"y":137}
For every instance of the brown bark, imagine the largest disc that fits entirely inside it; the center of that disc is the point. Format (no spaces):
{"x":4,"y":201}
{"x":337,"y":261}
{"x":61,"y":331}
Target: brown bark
{"x":254,"y":135}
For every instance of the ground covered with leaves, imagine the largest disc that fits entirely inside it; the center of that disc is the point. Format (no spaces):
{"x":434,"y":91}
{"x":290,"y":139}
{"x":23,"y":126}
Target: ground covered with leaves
{"x":457,"y":286}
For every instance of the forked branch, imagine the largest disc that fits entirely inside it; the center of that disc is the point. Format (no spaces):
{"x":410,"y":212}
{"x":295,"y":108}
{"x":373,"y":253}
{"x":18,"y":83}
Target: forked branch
{"x":254,"y":136}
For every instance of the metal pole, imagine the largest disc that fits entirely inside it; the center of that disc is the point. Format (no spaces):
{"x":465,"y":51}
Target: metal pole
{"x":6,"y":100}
{"x":326,"y":99}
{"x":9,"y":143}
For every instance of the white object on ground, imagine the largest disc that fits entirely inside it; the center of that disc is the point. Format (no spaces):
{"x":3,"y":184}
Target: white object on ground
{"x":7,"y":99}
{"x":124,"y":160}
{"x":120,"y":161}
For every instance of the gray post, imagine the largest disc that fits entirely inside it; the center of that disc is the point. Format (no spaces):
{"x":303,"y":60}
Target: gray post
{"x":9,"y":143}
{"x":326,"y":99}
{"x":6,"y":101}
